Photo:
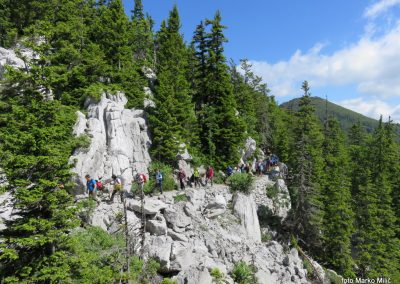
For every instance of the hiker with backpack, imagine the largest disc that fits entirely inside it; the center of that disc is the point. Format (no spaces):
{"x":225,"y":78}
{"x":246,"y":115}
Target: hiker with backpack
{"x":210,"y":175}
{"x":117,"y":188}
{"x":141,"y":179}
{"x":181,"y":177}
{"x":91,"y":188}
{"x":159,"y":180}
{"x":196,"y":175}
{"x":229,"y":171}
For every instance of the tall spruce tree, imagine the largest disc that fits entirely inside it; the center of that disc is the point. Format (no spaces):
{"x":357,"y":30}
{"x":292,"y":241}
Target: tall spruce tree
{"x":221,"y":127}
{"x":338,"y":215}
{"x":172,"y":94}
{"x":307,"y":167}
{"x":378,"y":248}
{"x":200,"y":53}
{"x":141,"y":37}
{"x":35,"y":162}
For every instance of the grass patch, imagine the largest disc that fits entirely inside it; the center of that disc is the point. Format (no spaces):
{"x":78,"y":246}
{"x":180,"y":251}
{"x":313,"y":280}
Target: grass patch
{"x":180,"y":197}
{"x":217,"y":275}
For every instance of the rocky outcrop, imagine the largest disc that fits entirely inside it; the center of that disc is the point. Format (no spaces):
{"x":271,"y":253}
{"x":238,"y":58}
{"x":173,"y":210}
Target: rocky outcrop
{"x":245,"y":209}
{"x":119,"y":140}
{"x":273,"y":195}
{"x":188,"y":242}
{"x":250,"y":153}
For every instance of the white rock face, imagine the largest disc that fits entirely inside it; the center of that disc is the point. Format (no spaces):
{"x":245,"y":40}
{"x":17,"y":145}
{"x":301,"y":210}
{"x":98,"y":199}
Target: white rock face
{"x":9,"y":58}
{"x":3,"y":178}
{"x":248,"y":152}
{"x":246,"y":210}
{"x":119,"y":141}
{"x":7,"y":211}
{"x":279,"y":203}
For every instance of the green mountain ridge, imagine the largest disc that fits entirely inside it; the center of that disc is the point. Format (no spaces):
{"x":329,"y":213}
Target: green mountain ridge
{"x":346,"y":117}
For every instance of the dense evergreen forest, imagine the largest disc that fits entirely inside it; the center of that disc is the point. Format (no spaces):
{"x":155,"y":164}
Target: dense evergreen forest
{"x":345,"y":189}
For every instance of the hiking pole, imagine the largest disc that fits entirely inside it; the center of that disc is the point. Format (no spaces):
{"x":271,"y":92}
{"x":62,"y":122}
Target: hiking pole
{"x":143,"y":220}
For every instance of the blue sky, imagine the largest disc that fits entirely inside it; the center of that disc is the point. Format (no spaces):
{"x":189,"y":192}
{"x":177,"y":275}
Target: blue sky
{"x":347,"y":50}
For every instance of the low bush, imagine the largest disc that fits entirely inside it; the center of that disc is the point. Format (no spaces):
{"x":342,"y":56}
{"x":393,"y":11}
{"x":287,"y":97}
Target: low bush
{"x":241,"y":182}
{"x":217,"y":275}
{"x":243,"y":273}
{"x":219,"y":178}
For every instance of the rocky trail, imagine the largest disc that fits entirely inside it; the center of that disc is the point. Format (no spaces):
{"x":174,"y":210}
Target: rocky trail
{"x":208,"y":228}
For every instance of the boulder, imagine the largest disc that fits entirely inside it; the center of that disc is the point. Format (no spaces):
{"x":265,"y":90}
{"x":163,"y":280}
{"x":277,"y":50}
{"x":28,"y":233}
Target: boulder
{"x":157,"y":226}
{"x":181,"y":256}
{"x":195,"y":275}
{"x":218,"y":202}
{"x":159,"y":248}
{"x":176,"y":236}
{"x":245,"y":209}
{"x":151,"y":206}
{"x":196,"y":197}
{"x":263,"y":277}
{"x":177,"y":218}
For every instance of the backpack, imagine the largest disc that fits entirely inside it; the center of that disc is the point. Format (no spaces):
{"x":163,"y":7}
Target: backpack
{"x":144,"y":177}
{"x":99,"y":184}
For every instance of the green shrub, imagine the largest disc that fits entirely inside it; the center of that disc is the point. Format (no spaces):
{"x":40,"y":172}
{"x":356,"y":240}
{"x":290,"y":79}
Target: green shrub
{"x":217,"y":275}
{"x":85,"y":209}
{"x":180,"y":197}
{"x":266,"y":237}
{"x":310,"y":271}
{"x":241,"y":182}
{"x":169,"y":281}
{"x":82,"y":142}
{"x":168,"y":179}
{"x":334,"y":278}
{"x":243,"y":273}
{"x":3,"y":189}
{"x":219,"y":178}
{"x":272,"y":192}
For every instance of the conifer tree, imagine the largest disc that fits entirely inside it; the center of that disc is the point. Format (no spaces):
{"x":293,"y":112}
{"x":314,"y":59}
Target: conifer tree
{"x":307,"y":165}
{"x":377,"y":246}
{"x":35,"y":162}
{"x":141,"y":37}
{"x":199,"y":44}
{"x":338,"y":215}
{"x":221,"y":127}
{"x":172,"y":93}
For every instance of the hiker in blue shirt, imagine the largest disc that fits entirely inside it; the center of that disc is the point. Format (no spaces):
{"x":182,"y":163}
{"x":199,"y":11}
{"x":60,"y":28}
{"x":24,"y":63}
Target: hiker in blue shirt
{"x":91,"y":188}
{"x":159,"y":180}
{"x":229,"y":171}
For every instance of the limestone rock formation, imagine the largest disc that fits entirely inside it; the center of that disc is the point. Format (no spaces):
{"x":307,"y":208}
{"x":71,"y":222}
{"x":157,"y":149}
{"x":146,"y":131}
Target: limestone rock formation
{"x":119,"y":141}
{"x":245,"y":209}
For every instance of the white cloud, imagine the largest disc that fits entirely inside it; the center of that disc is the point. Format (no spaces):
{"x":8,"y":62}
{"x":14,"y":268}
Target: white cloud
{"x":373,"y":108}
{"x":380,"y":7}
{"x":371,"y":63}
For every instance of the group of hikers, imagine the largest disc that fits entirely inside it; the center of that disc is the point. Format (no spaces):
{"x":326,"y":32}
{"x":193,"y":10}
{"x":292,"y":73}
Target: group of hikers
{"x":93,"y":186}
{"x":269,"y":165}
